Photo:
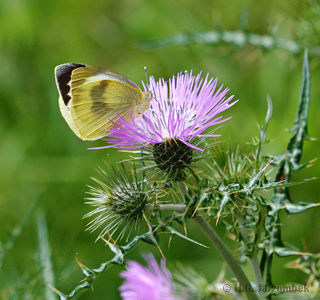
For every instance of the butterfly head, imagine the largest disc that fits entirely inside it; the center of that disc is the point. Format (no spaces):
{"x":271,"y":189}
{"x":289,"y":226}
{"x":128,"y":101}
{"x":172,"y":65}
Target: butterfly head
{"x":143,"y":105}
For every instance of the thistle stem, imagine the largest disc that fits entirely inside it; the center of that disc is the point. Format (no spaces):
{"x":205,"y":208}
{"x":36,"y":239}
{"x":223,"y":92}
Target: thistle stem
{"x":254,"y":259}
{"x":166,"y":207}
{"x":183,"y":190}
{"x":227,"y":256}
{"x":220,"y":246}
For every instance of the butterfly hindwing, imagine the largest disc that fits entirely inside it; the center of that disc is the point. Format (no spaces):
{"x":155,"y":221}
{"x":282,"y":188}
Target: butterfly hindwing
{"x":95,"y":103}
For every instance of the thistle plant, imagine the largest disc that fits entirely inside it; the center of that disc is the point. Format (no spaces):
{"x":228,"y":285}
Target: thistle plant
{"x":184,"y":175}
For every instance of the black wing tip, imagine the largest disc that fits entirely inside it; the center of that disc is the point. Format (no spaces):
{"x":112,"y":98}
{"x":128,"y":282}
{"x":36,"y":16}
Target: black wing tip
{"x":67,"y":68}
{"x":63,"y":76}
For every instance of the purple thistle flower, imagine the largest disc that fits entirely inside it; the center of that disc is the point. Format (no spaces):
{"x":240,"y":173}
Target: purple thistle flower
{"x":181,"y":109}
{"x":147,"y":283}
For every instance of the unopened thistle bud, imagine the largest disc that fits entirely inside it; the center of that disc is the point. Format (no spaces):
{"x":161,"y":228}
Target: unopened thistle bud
{"x":119,"y":199}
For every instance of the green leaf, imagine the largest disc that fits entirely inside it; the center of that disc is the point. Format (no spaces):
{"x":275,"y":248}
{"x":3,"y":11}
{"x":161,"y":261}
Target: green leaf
{"x":302,"y":113}
{"x":290,"y":160}
{"x":92,"y":274}
{"x":238,"y":38}
{"x":174,"y":232}
{"x":295,"y":208}
{"x":263,"y":132}
{"x":225,"y":200}
{"x":270,"y":185}
{"x":286,"y":251}
{"x":287,"y":162}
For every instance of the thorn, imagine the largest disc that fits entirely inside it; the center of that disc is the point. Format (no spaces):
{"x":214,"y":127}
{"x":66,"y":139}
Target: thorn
{"x":218,"y":217}
{"x":195,"y":211}
{"x":170,"y":239}
{"x":184,"y":214}
{"x":80,"y":264}
{"x":161,"y":252}
{"x":54,"y":289}
{"x":185,"y":230}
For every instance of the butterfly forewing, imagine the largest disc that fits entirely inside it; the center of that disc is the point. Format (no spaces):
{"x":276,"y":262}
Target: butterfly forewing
{"x":88,"y":74}
{"x":63,"y":75}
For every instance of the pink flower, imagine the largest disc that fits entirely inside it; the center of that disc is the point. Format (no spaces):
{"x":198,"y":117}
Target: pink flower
{"x":147,"y":283}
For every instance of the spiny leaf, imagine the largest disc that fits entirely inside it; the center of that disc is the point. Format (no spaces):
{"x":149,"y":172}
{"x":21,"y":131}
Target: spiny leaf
{"x":288,"y":162}
{"x":286,"y":251}
{"x":92,"y":274}
{"x":291,"y":158}
{"x":263,"y":132}
{"x":271,"y":185}
{"x":303,"y":107}
{"x":224,"y":201}
{"x":214,"y":37}
{"x":255,"y":183}
{"x":85,"y":270}
{"x":174,"y":232}
{"x":295,"y":208}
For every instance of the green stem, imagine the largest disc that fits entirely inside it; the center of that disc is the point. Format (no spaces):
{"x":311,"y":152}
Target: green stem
{"x":166,"y":207}
{"x":183,"y":190}
{"x":254,"y":259}
{"x":220,"y":246}
{"x":227,"y":256}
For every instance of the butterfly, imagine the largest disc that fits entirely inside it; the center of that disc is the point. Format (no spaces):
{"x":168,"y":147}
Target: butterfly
{"x":91,"y":97}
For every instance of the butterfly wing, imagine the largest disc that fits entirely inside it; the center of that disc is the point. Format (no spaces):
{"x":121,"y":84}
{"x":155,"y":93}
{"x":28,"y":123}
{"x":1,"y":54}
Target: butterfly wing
{"x":95,"y":103}
{"x":66,"y":113}
{"x":90,"y":97}
{"x":86,"y":74}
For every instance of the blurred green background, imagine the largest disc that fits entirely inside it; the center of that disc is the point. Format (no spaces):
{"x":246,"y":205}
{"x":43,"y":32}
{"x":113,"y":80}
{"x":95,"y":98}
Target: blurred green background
{"x":40,"y":158}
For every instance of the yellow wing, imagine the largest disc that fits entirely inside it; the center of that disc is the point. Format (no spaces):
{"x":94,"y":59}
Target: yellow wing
{"x":65,"y":111}
{"x":91,"y":96}
{"x":95,"y":103}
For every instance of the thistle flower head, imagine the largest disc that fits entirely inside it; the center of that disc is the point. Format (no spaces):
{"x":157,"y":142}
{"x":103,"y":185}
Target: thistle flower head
{"x":118,"y":200}
{"x":173,"y":127}
{"x":147,"y":283}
